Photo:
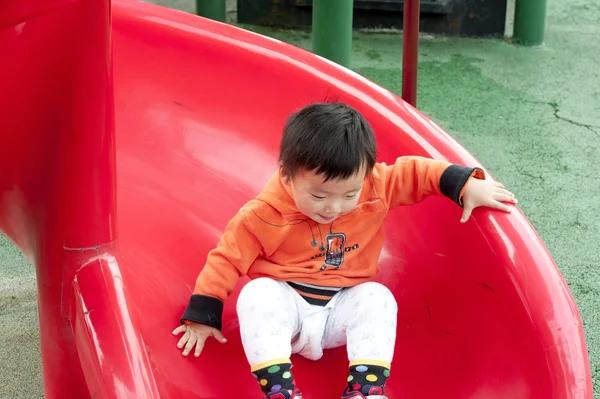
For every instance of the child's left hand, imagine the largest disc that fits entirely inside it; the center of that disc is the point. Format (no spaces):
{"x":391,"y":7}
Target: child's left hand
{"x":485,"y":193}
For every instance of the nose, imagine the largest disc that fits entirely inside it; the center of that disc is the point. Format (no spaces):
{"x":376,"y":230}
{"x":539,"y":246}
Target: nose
{"x":333,"y":208}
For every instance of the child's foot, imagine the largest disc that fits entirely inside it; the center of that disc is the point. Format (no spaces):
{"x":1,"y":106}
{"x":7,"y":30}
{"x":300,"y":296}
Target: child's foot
{"x":277,"y":382}
{"x":366,"y":381}
{"x":284,"y":395}
{"x":357,"y":395}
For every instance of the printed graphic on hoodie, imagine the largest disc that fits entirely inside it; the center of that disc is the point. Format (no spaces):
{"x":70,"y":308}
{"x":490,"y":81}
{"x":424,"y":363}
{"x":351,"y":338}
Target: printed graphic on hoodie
{"x":334,"y":251}
{"x":334,"y":255}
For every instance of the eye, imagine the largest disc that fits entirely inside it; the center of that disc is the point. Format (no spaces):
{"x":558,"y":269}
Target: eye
{"x":318,"y":197}
{"x":350,"y":196}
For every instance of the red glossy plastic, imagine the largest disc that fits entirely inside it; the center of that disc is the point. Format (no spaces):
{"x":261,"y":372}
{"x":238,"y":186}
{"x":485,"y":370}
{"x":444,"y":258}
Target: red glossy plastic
{"x":117,"y":206}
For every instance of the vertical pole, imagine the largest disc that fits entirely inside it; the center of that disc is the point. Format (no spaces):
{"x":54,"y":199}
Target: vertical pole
{"x":530,"y":22}
{"x":410,"y":56}
{"x":332,"y":30}
{"x":213,"y":9}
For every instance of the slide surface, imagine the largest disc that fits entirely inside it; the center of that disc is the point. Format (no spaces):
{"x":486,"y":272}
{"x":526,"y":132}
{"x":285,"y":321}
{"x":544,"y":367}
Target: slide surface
{"x":198,"y":109}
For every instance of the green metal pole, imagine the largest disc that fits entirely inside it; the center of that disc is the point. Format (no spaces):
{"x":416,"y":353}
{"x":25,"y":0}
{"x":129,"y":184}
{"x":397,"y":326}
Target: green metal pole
{"x":213,"y":9}
{"x":332,"y":30}
{"x":530,"y":22}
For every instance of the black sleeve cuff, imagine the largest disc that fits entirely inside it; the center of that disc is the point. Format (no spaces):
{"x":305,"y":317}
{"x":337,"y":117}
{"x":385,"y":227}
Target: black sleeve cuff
{"x":454,"y":179}
{"x":204,"y":310}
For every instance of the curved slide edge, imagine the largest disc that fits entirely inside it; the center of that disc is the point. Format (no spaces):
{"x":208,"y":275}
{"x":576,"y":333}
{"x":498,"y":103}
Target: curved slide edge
{"x":109,"y":343}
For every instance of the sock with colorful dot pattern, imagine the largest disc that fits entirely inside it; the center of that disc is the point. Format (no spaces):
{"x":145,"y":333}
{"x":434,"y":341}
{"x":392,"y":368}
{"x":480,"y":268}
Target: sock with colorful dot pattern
{"x":275,"y":378}
{"x":367,"y":379}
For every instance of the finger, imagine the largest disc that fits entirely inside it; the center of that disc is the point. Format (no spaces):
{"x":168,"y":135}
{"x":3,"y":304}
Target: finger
{"x":500,"y":205}
{"x":190,"y":344}
{"x":180,"y":329}
{"x":183,"y":339}
{"x":498,"y":184}
{"x":504,"y":191}
{"x":199,"y":346}
{"x":466,"y":214}
{"x":506,"y":198}
{"x":219,"y":336}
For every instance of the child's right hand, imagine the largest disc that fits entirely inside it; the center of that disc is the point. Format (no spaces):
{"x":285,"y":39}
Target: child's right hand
{"x":196,"y":334}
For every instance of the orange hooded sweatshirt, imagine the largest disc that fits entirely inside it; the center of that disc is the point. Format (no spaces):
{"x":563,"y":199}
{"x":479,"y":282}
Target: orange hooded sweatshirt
{"x":269,"y":237}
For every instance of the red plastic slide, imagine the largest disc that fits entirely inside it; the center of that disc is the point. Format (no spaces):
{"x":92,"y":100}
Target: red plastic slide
{"x":128,"y":144}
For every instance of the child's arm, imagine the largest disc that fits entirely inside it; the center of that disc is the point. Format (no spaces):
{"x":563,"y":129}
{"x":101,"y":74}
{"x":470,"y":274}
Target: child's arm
{"x":411,"y":179}
{"x":238,"y":248}
{"x":235,"y":253}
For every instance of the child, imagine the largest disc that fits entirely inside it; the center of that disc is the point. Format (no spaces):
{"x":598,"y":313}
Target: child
{"x":310,"y":243}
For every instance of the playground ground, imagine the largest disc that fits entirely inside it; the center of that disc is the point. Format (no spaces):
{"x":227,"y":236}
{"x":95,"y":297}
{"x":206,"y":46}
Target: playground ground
{"x":531,"y":115}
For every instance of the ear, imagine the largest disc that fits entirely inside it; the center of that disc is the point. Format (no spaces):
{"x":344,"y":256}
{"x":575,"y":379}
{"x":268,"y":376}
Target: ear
{"x":285,"y":176}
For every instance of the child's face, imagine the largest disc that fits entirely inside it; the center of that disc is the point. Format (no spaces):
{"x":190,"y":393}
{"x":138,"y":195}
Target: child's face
{"x":324,"y":201}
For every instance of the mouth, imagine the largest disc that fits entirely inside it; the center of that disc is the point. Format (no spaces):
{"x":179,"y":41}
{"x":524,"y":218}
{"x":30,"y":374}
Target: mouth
{"x":327,"y":219}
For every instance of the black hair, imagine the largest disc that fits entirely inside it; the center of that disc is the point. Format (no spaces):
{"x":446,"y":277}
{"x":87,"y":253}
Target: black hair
{"x":332,"y":139}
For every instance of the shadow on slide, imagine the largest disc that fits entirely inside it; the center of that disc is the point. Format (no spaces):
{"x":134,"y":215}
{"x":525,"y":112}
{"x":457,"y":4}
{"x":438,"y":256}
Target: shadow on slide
{"x":132,"y":134}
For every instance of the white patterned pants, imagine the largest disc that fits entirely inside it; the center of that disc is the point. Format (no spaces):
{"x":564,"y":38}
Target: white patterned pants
{"x":275,"y":321}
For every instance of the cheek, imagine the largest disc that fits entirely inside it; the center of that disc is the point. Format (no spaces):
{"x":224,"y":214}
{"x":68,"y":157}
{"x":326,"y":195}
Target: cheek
{"x":349,"y":206}
{"x":307,"y":206}
{"x":310,"y":207}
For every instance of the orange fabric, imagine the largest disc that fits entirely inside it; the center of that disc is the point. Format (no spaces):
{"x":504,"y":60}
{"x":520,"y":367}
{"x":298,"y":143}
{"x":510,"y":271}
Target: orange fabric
{"x":315,"y":296}
{"x":267,"y":237}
